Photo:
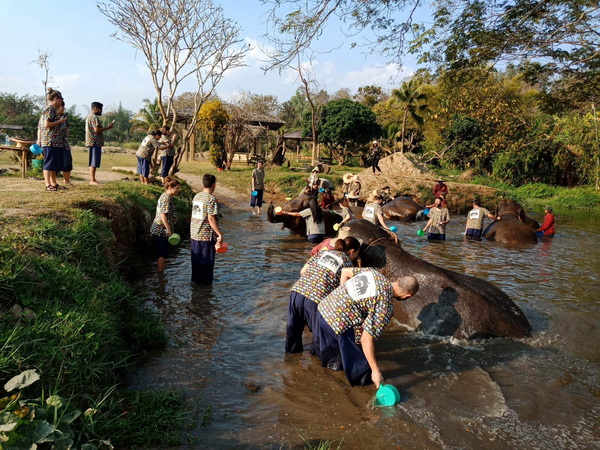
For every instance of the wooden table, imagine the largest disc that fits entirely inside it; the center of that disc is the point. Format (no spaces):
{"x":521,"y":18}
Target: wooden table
{"x":21,"y":154}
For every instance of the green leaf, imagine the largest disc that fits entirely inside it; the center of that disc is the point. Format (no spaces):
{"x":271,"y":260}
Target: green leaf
{"x":22,"y":380}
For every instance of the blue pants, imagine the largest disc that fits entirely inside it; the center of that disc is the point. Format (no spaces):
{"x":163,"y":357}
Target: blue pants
{"x":336,"y":348}
{"x":162,"y":246}
{"x":301,"y":312}
{"x":167,"y":162}
{"x":203,"y":261}
{"x":95,"y":156}
{"x":315,"y":238}
{"x":473,"y":233}
{"x":436,"y":237}
{"x":258,"y":200}
{"x":67,"y":160}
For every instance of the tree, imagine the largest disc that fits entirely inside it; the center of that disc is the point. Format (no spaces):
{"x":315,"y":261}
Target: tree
{"x":15,"y":110}
{"x":257,"y":104}
{"x":236,"y":132}
{"x":370,"y":95}
{"x":148,"y":118}
{"x":212,"y":121}
{"x":179,"y":39}
{"x":44,"y":62}
{"x":345,"y":126}
{"x":411,"y":100}
{"x":122,"y":117}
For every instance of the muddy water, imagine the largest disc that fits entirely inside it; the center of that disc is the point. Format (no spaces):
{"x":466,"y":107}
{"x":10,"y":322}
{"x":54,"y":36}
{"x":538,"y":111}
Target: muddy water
{"x":226,"y":351}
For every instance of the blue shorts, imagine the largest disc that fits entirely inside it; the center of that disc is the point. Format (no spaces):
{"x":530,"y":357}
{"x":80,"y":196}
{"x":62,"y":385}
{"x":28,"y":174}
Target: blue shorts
{"x":95,"y":156}
{"x":167,"y":163}
{"x":53,"y":158}
{"x":162,"y":246}
{"x":436,"y":237}
{"x":474,"y":233}
{"x":67,"y":160}
{"x":258,"y":200}
{"x":143,"y":167}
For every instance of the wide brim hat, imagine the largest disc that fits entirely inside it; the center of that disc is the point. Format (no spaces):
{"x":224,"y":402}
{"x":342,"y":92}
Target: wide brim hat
{"x":440,"y":181}
{"x":347,"y":177}
{"x":356,"y":178}
{"x":316,"y":169}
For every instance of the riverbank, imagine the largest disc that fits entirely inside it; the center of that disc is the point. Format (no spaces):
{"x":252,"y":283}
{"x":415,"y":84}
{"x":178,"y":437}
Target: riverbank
{"x":68,"y":310}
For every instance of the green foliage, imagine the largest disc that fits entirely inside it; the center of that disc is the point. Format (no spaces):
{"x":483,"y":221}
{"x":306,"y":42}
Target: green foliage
{"x":537,"y":190}
{"x":345,"y":126}
{"x":464,"y":140}
{"x":25,"y":110}
{"x":120,"y":132}
{"x":148,"y":118}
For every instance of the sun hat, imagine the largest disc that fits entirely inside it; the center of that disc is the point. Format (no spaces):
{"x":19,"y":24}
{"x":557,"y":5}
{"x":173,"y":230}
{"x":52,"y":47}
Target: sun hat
{"x":375,"y":142}
{"x":347,"y":177}
{"x":440,"y":181}
{"x":356,"y":178}
{"x":316,"y":169}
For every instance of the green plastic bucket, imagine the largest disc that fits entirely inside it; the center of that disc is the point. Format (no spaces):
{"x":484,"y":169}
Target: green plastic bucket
{"x":37,"y":164}
{"x":387,"y":395}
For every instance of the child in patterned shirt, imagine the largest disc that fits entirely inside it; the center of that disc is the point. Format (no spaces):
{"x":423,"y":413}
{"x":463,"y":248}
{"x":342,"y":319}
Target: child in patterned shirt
{"x":164,"y":222}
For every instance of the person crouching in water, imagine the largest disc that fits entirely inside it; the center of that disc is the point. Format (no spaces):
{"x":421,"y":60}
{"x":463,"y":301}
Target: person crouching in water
{"x":318,"y":278}
{"x":164,"y":222}
{"x":353,"y":317}
{"x":438,"y":219}
{"x":144,"y":155}
{"x":315,"y":226}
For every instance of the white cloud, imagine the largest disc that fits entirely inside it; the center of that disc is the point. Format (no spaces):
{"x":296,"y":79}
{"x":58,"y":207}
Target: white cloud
{"x":387,"y":76}
{"x":67,"y":81}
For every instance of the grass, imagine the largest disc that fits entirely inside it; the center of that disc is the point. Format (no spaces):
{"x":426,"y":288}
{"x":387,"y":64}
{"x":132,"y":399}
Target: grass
{"x":67,"y":309}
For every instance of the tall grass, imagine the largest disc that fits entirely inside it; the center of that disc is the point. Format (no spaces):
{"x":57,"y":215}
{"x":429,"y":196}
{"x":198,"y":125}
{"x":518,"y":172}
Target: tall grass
{"x":66,"y":310}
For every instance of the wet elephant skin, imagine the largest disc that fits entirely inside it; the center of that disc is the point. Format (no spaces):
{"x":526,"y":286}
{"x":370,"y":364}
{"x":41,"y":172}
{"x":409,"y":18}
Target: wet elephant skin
{"x":402,"y":208}
{"x":514,"y":228}
{"x":448,"y":302}
{"x":298,"y":224}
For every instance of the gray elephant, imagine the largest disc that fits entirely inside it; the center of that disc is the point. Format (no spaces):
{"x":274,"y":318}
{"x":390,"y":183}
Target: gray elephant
{"x":448,"y":303}
{"x":514,"y":228}
{"x":404,"y":209}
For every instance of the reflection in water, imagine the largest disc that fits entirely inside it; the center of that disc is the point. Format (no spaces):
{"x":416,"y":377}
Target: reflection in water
{"x":227,"y":349}
{"x":441,"y":318}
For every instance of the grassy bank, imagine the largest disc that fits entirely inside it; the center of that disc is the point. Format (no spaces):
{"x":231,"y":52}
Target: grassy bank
{"x":68,"y":311}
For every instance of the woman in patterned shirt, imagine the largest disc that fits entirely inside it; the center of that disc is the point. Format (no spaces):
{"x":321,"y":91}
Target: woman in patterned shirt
{"x":144,"y":155}
{"x":164,"y":222}
{"x":52,"y":139}
{"x":318,"y":278}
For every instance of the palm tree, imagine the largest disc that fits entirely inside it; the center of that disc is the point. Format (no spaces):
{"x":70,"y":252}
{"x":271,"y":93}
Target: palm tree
{"x":148,"y":118}
{"x":412,"y":101}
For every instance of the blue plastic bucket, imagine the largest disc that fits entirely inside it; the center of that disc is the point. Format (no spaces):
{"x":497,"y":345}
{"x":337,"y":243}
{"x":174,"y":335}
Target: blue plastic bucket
{"x":387,"y":395}
{"x":393,"y":229}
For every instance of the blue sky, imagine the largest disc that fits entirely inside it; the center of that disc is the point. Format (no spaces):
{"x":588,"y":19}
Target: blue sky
{"x":87,"y":65}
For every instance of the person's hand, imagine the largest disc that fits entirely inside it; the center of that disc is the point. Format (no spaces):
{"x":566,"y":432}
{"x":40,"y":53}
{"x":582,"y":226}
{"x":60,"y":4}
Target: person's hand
{"x":168,"y":232}
{"x":377,"y":378}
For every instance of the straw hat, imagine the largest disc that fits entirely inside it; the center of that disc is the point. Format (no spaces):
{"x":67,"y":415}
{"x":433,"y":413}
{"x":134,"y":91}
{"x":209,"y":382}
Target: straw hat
{"x":347,"y":177}
{"x":356,"y":178}
{"x":316,"y":169}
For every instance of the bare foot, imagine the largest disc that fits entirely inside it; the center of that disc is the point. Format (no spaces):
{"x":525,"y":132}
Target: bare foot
{"x":95,"y":183}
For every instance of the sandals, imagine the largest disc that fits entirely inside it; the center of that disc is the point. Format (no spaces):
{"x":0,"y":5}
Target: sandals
{"x":57,"y":187}
{"x":51,"y":188}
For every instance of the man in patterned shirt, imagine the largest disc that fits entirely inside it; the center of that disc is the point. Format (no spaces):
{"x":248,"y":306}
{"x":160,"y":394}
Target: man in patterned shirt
{"x":474,"y":226}
{"x":94,"y":138}
{"x":204,"y":232}
{"x":356,"y":313}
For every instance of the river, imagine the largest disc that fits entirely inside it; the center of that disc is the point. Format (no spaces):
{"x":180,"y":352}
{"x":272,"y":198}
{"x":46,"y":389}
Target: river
{"x":227,"y":351}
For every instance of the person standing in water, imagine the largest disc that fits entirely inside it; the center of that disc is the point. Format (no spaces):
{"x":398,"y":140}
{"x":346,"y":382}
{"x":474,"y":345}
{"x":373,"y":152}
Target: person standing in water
{"x":438,"y":219}
{"x":474,"y":226}
{"x":547,"y":227}
{"x":205,"y":233}
{"x":258,"y":187}
{"x":164,"y":222}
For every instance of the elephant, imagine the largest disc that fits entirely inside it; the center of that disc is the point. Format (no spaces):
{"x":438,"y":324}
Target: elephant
{"x":404,"y":209}
{"x":514,"y":228}
{"x":448,"y":303}
{"x":298,"y":224}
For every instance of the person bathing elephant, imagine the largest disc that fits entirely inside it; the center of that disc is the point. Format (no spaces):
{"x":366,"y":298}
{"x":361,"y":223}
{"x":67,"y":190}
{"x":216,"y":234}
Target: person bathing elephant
{"x":448,"y":303}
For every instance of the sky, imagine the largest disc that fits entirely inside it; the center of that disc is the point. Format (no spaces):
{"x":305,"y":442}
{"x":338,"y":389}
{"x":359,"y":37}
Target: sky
{"x":87,"y":64}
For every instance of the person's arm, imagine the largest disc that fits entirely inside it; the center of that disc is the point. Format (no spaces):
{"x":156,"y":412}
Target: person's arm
{"x":382,"y":221}
{"x":165,"y":221}
{"x":56,"y":122}
{"x":546,"y":225}
{"x":346,"y":274}
{"x":368,"y":347}
{"x":212,"y":220}
{"x":98,"y":129}
{"x":304,"y":269}
{"x":428,"y":224}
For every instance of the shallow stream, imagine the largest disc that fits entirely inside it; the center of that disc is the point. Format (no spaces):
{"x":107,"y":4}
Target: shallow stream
{"x":227,"y":342}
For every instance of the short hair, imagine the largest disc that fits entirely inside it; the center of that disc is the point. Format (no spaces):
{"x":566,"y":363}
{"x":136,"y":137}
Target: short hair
{"x":344,"y":202}
{"x":169,"y":182}
{"x":385,"y":188}
{"x":408,"y":284}
{"x":548,"y":208}
{"x":208,"y":180}
{"x":97,"y":105}
{"x":165,"y":128}
{"x":377,"y":197}
{"x":352,"y":243}
{"x":156,"y":133}
{"x":477,"y":202}
{"x":440,"y":199}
